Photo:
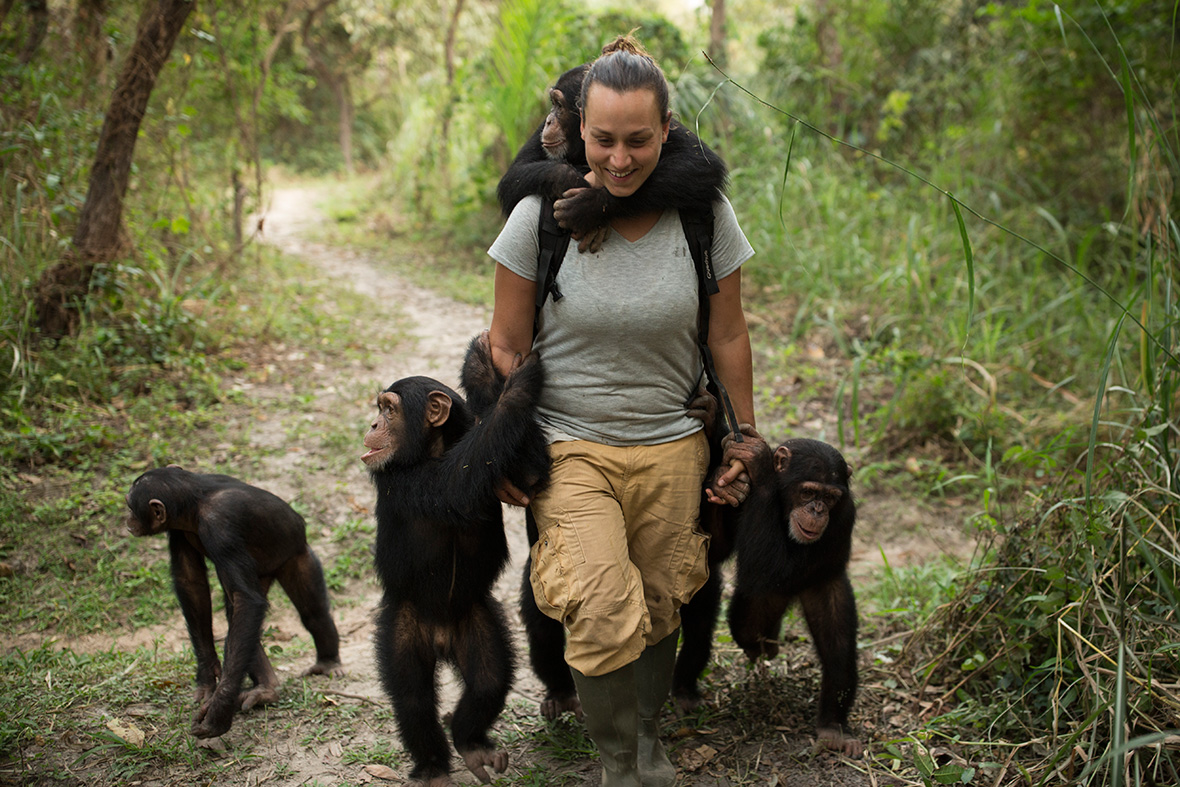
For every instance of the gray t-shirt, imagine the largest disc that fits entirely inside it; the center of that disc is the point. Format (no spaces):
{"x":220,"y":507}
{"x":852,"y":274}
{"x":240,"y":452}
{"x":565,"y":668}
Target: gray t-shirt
{"x":619,"y":347}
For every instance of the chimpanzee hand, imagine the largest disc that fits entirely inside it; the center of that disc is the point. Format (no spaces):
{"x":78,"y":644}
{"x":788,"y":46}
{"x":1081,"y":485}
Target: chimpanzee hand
{"x":509,"y":493}
{"x":703,"y":405}
{"x":203,"y":693}
{"x":506,"y":491}
{"x":752,"y":453}
{"x":582,"y":211}
{"x":215,"y":715}
{"x":742,"y":464}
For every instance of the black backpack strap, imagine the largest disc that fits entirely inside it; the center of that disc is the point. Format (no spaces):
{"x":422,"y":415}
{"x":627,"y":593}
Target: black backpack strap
{"x":554,"y":241}
{"x":698,"y":231}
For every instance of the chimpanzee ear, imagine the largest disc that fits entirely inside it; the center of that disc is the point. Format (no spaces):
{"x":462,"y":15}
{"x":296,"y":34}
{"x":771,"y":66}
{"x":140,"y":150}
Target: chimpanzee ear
{"x":159,"y":514}
{"x":438,"y":408}
{"x":848,"y":467}
{"x":782,"y":458}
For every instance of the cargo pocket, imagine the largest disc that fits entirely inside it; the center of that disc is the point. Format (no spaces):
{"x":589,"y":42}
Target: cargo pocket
{"x":693,"y":569}
{"x":552,"y":576}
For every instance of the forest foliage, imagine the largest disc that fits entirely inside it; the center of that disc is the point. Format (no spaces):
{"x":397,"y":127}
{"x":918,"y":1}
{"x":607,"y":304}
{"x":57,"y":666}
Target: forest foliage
{"x":972,"y":205}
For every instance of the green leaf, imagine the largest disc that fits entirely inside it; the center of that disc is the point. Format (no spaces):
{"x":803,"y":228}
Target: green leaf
{"x":969,"y":258}
{"x":923,"y":761}
{"x":950,"y":774}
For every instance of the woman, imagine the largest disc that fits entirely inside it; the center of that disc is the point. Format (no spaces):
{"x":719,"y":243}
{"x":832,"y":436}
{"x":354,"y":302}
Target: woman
{"x":620,"y":549}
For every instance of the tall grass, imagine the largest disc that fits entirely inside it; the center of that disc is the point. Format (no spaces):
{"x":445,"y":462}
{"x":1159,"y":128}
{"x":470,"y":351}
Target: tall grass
{"x":1077,"y":615}
{"x":1018,"y":343}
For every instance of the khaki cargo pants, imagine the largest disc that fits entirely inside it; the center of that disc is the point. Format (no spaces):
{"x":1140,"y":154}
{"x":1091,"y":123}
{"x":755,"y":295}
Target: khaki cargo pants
{"x":619,"y":548}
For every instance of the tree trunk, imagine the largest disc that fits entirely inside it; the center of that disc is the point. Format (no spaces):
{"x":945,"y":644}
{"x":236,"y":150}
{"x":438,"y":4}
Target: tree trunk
{"x":88,"y":38}
{"x":97,"y":236}
{"x":239,"y":207}
{"x":717,"y":33}
{"x":5,"y":7}
{"x":286,"y":26}
{"x":448,"y":110}
{"x":831,"y":58}
{"x":39,"y":26}
{"x":344,"y":99}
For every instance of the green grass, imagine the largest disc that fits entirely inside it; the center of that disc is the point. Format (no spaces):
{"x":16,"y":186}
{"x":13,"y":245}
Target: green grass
{"x":80,"y":693}
{"x":353,"y":559}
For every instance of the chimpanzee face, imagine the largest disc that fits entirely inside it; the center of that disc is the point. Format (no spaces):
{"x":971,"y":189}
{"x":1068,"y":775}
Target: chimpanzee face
{"x":814,"y":479}
{"x":387,"y":433}
{"x":811,"y":503}
{"x":554,"y":135}
{"x":407,"y":428}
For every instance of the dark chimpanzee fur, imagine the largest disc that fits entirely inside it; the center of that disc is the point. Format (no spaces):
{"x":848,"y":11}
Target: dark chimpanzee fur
{"x":440,"y":547}
{"x":253,"y":538}
{"x":483,"y":384}
{"x":793,"y":541}
{"x":698,"y":618}
{"x":553,"y":160}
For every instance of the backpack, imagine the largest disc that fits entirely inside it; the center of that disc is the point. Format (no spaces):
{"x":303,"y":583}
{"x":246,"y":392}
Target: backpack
{"x":698,"y":231}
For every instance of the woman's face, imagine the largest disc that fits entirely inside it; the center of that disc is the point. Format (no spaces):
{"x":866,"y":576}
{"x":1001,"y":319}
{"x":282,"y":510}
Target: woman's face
{"x":623,"y":133}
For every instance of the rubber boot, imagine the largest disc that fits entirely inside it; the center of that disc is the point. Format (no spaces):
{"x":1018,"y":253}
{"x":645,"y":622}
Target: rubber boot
{"x":611,"y":716}
{"x":653,"y":682}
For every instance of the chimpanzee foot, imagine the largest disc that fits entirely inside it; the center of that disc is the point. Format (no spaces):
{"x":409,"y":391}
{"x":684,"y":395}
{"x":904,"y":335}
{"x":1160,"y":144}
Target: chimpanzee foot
{"x":434,"y":781}
{"x":762,"y":649}
{"x":834,"y":739}
{"x":688,"y":702}
{"x":330,"y":667}
{"x":477,"y":759}
{"x":259,"y":695}
{"x":552,"y":707}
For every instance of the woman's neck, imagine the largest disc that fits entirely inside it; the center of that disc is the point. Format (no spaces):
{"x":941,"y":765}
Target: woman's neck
{"x":635,"y":227}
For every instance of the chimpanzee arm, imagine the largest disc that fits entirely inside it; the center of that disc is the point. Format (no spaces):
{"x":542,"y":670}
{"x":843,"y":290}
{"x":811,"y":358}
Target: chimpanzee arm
{"x":689,"y":175}
{"x":245,"y":602}
{"x":484,"y":383}
{"x":533,"y":172}
{"x":507,"y":442}
{"x":767,"y":562}
{"x":480,"y":379}
{"x":190,"y":580}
